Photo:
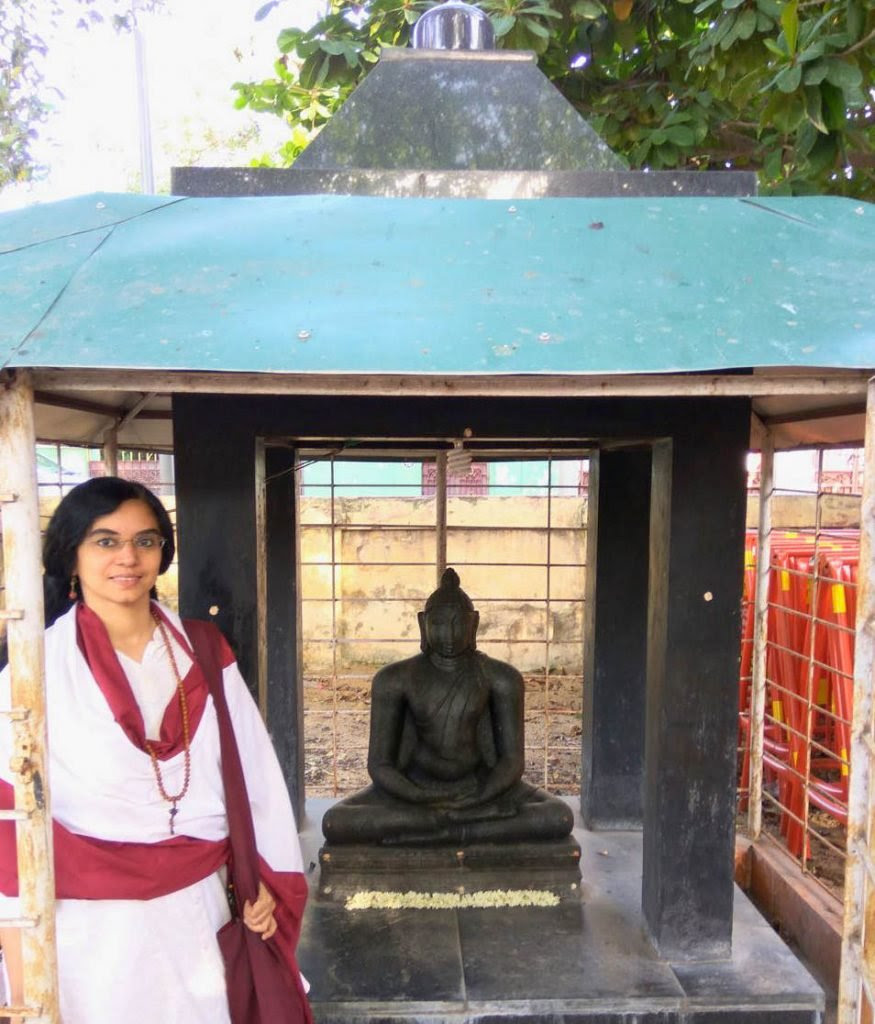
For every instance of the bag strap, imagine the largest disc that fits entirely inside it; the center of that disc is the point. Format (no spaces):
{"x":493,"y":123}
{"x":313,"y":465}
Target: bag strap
{"x":244,"y":872}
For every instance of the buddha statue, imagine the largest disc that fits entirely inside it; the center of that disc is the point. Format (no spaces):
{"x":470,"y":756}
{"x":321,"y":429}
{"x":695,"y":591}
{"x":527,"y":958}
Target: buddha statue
{"x":446,"y":746}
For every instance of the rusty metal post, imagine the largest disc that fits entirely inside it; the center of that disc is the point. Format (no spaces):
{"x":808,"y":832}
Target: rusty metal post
{"x":440,"y":513}
{"x":760,"y":637}
{"x":110,"y":451}
{"x":24,"y":600}
{"x":858,"y":943}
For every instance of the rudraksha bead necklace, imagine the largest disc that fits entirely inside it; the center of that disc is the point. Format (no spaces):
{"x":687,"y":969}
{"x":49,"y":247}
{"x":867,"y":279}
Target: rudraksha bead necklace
{"x":173,"y":800}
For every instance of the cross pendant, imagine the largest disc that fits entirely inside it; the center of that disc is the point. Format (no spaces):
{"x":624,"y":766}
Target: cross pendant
{"x":174,"y":810}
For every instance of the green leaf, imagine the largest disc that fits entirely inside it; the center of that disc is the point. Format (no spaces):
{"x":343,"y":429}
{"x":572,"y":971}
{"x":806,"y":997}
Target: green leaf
{"x":843,"y":73}
{"x":588,"y":9}
{"x":300,"y":136}
{"x":783,"y":188}
{"x":723,"y":26}
{"x":814,"y":107}
{"x":789,"y":79}
{"x":855,"y":97}
{"x":790,"y":23}
{"x":788,"y":113}
{"x":537,"y":28}
{"x":333,"y":46}
{"x":773,"y":165}
{"x":627,"y":35}
{"x":747,"y":23}
{"x":639,"y":153}
{"x":775,"y":48}
{"x":811,"y":52}
{"x":730,"y":37}
{"x":822,"y":156}
{"x":855,"y":20}
{"x":805,"y":139}
{"x":730,"y":5}
{"x":816,"y":73}
{"x":745,"y":88}
{"x":680,"y":135}
{"x":836,"y":41}
{"x":680,"y":19}
{"x":833,"y":106}
{"x":502,"y":24}
{"x":288,"y":39}
{"x":811,"y":30}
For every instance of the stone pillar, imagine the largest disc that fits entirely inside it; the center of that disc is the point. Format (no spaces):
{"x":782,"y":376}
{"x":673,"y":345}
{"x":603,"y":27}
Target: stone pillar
{"x":216,"y":523}
{"x":227,"y":482}
{"x":615,"y":643}
{"x":285,"y":696}
{"x":696,"y":562}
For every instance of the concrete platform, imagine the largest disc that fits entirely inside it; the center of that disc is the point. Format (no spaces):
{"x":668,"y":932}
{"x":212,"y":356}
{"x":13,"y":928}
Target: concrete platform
{"x":576,"y":963}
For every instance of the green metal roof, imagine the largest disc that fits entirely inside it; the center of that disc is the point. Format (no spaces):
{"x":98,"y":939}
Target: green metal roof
{"x":338,"y":284}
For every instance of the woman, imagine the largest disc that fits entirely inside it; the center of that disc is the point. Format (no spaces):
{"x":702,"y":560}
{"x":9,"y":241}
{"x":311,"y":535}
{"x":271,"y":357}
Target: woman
{"x":136,"y":788}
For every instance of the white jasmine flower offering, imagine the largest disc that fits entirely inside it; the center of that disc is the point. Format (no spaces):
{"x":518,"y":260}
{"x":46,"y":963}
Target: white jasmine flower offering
{"x":374,"y":899}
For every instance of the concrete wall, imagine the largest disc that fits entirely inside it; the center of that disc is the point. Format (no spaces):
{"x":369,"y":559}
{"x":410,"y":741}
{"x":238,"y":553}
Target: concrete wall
{"x":799,"y":511}
{"x":384,"y":554}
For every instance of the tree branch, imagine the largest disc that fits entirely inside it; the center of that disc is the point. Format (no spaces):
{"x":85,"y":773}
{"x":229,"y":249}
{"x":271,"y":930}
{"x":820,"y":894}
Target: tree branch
{"x":859,"y":45}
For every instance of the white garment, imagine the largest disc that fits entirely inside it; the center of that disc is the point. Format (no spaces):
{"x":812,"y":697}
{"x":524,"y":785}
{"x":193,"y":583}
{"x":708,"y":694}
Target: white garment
{"x":152,"y":680}
{"x":154,"y":960}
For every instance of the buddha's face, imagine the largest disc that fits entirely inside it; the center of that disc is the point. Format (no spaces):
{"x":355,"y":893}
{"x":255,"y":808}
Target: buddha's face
{"x":449,"y":630}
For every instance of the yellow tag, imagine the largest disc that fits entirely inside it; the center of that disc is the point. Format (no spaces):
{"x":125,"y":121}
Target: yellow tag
{"x":844,"y":761}
{"x":748,"y":559}
{"x":785,"y":580}
{"x":838,"y":599}
{"x":777,"y":711}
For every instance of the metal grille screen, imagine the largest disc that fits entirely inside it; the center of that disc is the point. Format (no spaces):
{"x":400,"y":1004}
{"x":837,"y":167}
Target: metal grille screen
{"x":373,"y":536}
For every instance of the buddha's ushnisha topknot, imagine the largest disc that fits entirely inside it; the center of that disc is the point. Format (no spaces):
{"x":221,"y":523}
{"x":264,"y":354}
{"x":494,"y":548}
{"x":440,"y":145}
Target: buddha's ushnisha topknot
{"x":450,"y":578}
{"x":450,"y":592}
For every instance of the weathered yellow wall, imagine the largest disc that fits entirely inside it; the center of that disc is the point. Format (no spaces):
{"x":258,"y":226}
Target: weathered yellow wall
{"x":385,"y":555}
{"x":799,"y":511}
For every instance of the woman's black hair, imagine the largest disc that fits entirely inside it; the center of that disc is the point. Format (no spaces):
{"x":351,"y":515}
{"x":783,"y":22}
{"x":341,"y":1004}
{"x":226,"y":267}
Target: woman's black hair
{"x":72,"y":520}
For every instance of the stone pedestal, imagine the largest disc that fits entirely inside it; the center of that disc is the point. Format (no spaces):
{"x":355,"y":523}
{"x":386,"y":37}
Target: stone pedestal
{"x":543,"y":866}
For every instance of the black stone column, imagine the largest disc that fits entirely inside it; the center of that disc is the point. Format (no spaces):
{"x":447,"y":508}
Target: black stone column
{"x":615,"y":641}
{"x":285,"y":701}
{"x":696,"y":562}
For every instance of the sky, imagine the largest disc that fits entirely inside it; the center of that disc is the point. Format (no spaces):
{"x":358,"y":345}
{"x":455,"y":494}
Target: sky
{"x":91,"y":142}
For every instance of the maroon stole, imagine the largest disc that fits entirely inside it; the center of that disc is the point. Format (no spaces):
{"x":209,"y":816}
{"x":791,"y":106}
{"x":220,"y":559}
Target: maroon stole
{"x":89,"y":868}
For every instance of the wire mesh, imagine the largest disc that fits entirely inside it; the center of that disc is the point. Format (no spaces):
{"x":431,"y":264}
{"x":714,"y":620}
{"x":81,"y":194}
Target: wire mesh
{"x":369,"y":556}
{"x":813,"y":564}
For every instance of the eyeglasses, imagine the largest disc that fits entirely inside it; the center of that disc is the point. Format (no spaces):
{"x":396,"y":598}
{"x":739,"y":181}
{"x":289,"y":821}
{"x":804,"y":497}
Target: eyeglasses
{"x":142,"y":542}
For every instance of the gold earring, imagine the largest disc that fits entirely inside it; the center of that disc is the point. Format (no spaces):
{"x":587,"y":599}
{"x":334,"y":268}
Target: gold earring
{"x":74,"y":582}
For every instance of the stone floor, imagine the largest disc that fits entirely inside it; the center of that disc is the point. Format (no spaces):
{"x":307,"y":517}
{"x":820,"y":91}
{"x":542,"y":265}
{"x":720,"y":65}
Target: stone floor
{"x":586,"y":962}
